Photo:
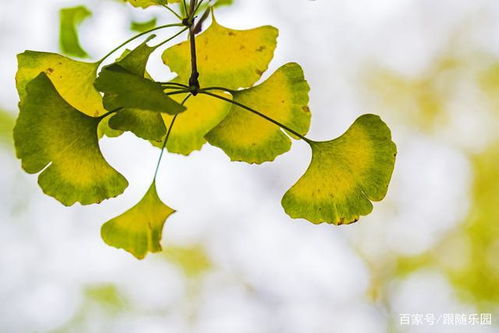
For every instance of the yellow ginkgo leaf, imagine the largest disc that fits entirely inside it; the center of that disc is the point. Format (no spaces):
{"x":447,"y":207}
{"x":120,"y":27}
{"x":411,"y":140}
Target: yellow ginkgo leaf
{"x":73,"y":80}
{"x":228,"y":58}
{"x":247,"y":137}
{"x":345,"y":175}
{"x":148,"y":3}
{"x":139,"y":229}
{"x":203,"y":114}
{"x":52,"y":136}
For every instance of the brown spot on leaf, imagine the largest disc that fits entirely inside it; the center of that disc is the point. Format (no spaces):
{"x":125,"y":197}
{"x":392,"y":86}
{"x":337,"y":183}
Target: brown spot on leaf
{"x":242,"y":47}
{"x":259,"y":72}
{"x":306,"y":109}
{"x":50,"y":70}
{"x":261,"y":48}
{"x":230,"y":33}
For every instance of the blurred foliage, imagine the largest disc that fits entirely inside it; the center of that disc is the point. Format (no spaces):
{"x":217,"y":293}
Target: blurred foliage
{"x":100,"y":304}
{"x":143,"y":26}
{"x":489,"y":82}
{"x":468,"y":255}
{"x":70,"y":19}
{"x":418,"y":100}
{"x":193,"y":260}
{"x":106,"y":295}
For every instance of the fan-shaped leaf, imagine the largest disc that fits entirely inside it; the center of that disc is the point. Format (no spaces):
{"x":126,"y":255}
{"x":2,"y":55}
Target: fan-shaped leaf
{"x":124,"y":89}
{"x":247,"y":137}
{"x":52,"y":136}
{"x":73,"y":80}
{"x":139,"y":230}
{"x":144,"y":124}
{"x":202,"y":114}
{"x":146,"y":3}
{"x":229,"y":58}
{"x":345,"y":175}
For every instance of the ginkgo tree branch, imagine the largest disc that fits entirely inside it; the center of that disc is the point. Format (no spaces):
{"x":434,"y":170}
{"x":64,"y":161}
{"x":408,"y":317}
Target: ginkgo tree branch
{"x":166,"y":138}
{"x":258,"y":113}
{"x":175,"y":84}
{"x":194,"y":78}
{"x":137,"y":36}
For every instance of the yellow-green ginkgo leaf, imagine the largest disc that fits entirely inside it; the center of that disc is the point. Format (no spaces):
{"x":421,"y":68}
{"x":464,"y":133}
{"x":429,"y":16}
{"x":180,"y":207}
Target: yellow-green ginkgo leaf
{"x":345,"y":175}
{"x":139,"y":229}
{"x":142,"y":123}
{"x":203,"y":114}
{"x":148,"y":3}
{"x":73,"y":80}
{"x":52,"y":136}
{"x":145,"y":124}
{"x":228,"y":58}
{"x":247,"y":137}
{"x":127,"y":90}
{"x":105,"y":130}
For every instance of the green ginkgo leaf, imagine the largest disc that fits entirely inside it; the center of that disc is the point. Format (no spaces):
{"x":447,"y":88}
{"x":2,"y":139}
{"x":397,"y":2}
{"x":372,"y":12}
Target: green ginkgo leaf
{"x":345,"y":175}
{"x":228,"y":58}
{"x":203,"y":113}
{"x":145,"y":124}
{"x":127,"y":90}
{"x":135,"y":61}
{"x":105,"y":130}
{"x":139,"y":229}
{"x":70,"y":19}
{"x":52,"y":136}
{"x":73,"y":80}
{"x":247,"y":137}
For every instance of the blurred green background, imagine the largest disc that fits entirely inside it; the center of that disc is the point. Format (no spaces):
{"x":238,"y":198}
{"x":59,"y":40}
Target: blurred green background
{"x":232,"y":260}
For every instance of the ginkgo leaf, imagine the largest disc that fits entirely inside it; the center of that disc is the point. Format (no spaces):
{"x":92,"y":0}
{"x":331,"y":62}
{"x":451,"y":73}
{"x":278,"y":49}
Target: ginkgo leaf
{"x":228,"y":58}
{"x":124,"y":89}
{"x":203,"y":113}
{"x":139,"y":229}
{"x":147,"y":125}
{"x":52,"y":136}
{"x":144,"y":124}
{"x":135,"y":61}
{"x":247,"y":137}
{"x":148,"y":3}
{"x":105,"y":129}
{"x":73,"y":80}
{"x":70,"y":19}
{"x":345,"y":175}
